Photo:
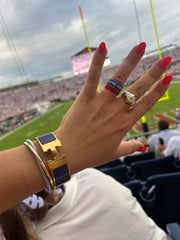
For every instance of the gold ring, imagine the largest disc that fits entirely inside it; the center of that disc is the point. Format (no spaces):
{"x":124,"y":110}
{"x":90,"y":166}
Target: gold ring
{"x":129,"y":98}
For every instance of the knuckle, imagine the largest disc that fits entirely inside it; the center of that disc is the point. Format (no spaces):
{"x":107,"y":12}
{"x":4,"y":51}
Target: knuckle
{"x":139,"y":91}
{"x":124,"y":126}
{"x":147,"y":101}
{"x":153,"y":74}
{"x":119,"y":79}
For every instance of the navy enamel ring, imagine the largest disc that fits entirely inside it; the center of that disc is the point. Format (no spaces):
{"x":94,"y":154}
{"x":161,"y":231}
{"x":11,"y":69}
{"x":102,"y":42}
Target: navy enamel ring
{"x":113,"y":86}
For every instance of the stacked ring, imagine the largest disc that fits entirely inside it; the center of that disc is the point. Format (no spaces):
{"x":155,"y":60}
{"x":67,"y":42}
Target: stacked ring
{"x":129,"y":98}
{"x":113,"y":86}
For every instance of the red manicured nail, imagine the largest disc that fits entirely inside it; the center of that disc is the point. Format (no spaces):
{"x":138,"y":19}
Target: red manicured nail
{"x":146,"y":145}
{"x":167,"y":79}
{"x":163,"y":63}
{"x":139,"y":49}
{"x":142,"y":149}
{"x":102,"y":48}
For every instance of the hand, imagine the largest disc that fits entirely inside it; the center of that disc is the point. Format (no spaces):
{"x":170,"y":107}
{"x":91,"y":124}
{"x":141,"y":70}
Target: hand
{"x":94,"y":126}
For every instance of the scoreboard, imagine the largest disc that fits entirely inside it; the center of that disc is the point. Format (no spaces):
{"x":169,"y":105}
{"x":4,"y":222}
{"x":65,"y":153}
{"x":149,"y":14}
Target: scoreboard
{"x":81,"y":61}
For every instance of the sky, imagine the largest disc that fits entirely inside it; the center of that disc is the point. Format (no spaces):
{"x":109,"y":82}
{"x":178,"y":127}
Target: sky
{"x":38,"y":38}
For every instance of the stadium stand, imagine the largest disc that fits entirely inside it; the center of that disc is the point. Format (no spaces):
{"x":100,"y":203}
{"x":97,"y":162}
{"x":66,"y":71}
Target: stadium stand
{"x":17,"y":101}
{"x":144,"y":169}
{"x":141,"y":170}
{"x":114,"y":163}
{"x":120,"y":173}
{"x":139,"y":157}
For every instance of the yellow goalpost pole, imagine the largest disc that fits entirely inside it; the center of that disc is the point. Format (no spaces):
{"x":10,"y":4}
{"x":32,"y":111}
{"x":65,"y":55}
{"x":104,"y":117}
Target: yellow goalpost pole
{"x":166,"y":97}
{"x":86,"y":36}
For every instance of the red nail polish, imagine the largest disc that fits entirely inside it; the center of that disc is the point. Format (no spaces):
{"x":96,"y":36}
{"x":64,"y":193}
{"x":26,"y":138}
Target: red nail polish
{"x":167,"y":79}
{"x":102,"y":48}
{"x":163,"y":63}
{"x":139,"y":49}
{"x":142,"y":149}
{"x":146,"y":145}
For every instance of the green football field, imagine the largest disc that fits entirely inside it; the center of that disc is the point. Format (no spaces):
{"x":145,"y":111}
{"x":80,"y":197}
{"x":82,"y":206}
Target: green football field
{"x":51,"y":120}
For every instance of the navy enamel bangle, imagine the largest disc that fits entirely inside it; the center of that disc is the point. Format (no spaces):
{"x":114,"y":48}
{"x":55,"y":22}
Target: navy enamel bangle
{"x":58,"y":165}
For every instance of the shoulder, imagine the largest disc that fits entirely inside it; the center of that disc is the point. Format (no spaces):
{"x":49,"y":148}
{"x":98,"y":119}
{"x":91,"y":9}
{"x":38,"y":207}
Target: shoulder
{"x":93,"y":178}
{"x":153,"y":137}
{"x":175,"y":132}
{"x":87,"y":174}
{"x":156,"y":135}
{"x":91,"y":174}
{"x":175,"y":139}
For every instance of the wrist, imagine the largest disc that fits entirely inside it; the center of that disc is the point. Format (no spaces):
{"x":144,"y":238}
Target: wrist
{"x":75,"y":164}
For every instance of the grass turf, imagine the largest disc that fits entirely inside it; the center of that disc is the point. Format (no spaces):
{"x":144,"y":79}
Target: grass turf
{"x":51,"y":120}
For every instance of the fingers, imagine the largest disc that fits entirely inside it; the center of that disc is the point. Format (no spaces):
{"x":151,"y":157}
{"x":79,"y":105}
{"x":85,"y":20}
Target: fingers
{"x":149,"y":78}
{"x":94,"y":73}
{"x":129,"y":147}
{"x":124,"y":70}
{"x":150,"y":99}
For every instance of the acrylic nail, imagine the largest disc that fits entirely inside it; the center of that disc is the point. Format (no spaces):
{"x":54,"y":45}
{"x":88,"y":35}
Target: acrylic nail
{"x":142,"y":149}
{"x":146,"y":145}
{"x":102,"y":47}
{"x":167,"y":79}
{"x":163,"y":63}
{"x":139,"y":49}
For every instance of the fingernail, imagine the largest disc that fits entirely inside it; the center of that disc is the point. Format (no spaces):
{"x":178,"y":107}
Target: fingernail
{"x":102,"y":47}
{"x":139,"y":49}
{"x":146,"y":145}
{"x":142,"y":149}
{"x":163,"y":63}
{"x":167,"y":79}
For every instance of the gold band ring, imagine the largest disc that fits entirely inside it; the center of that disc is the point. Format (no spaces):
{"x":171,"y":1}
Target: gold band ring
{"x":129,"y":98}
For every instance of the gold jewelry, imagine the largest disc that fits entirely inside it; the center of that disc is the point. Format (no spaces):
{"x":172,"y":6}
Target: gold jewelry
{"x":129,"y":98}
{"x":47,"y":177}
{"x":58,"y":165}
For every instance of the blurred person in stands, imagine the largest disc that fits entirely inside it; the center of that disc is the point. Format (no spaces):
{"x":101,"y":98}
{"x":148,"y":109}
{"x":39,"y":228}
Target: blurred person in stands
{"x":172,"y":147}
{"x":90,"y":133}
{"x":163,"y":135}
{"x":83,"y":209}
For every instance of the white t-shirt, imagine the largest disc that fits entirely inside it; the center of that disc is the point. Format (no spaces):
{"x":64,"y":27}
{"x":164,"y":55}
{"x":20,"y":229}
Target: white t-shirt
{"x":164,"y":134}
{"x":173,"y":147}
{"x":95,"y":206}
{"x":1,"y":234}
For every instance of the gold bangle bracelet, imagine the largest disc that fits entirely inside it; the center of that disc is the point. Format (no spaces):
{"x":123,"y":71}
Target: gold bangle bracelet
{"x":58,"y":164}
{"x":45,"y":173}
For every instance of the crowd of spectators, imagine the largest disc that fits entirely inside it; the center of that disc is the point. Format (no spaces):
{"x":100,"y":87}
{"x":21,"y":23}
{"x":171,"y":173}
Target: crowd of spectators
{"x":15,"y":104}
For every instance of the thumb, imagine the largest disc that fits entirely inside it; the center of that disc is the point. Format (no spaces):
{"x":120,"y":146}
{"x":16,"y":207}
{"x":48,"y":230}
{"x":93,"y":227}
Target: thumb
{"x":129,"y":147}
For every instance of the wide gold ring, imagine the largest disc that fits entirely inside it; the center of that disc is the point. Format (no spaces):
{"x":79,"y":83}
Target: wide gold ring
{"x":129,"y":98}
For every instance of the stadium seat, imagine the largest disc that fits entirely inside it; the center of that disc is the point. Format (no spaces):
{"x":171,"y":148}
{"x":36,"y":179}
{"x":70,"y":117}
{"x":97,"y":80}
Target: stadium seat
{"x":139,"y":157}
{"x":159,"y":196}
{"x":120,"y":173}
{"x":167,"y":197}
{"x":135,"y":186}
{"x":110,"y":164}
{"x":174,"y":230}
{"x":144,"y":169}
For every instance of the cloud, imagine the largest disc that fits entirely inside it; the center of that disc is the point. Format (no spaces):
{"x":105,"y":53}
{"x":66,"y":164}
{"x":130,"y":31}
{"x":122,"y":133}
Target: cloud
{"x":47,"y":33}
